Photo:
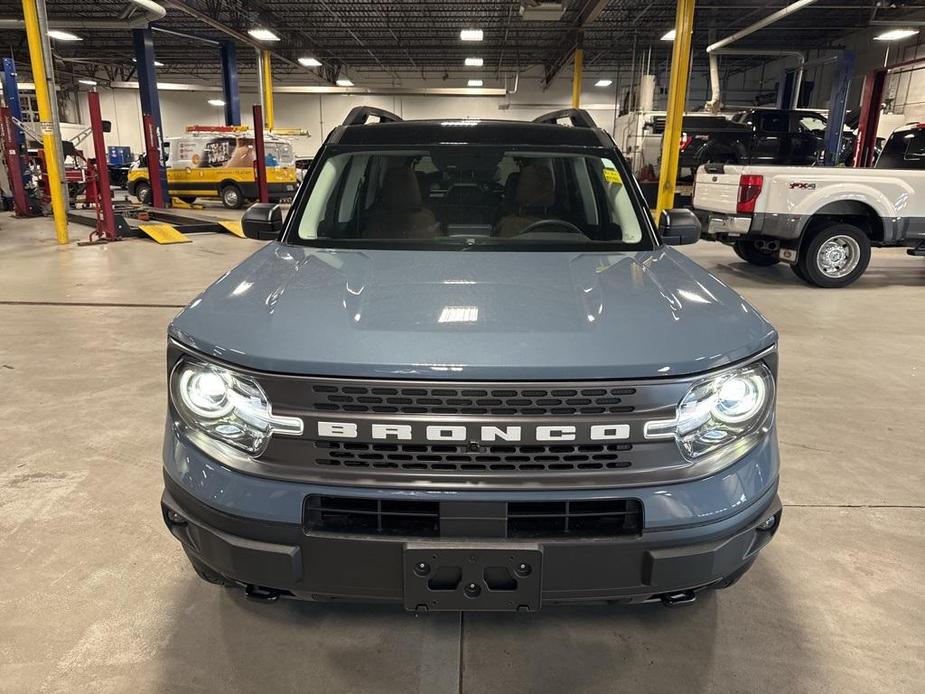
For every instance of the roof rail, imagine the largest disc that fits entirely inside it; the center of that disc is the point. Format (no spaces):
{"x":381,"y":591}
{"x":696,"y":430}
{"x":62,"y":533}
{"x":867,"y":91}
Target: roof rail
{"x":579,"y":118}
{"x":360,"y":114}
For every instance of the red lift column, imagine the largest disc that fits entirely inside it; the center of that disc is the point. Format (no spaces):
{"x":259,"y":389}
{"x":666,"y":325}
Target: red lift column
{"x":871,"y":99}
{"x":104,"y":192}
{"x":260,"y":156}
{"x":15,"y":163}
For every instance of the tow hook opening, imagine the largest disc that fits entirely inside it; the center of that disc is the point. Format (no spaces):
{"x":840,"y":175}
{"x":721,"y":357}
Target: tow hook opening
{"x":683,"y":597}
{"x":768,"y":523}
{"x":261,"y":593}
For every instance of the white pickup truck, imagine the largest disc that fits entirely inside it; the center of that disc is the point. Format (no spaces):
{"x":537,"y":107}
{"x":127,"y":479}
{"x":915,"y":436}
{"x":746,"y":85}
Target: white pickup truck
{"x":822,"y":221}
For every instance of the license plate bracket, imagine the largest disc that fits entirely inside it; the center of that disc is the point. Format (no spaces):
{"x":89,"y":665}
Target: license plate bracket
{"x":472,"y":577}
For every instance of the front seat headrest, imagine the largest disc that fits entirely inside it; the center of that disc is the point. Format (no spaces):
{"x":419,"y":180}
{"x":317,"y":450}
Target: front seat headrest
{"x":400,"y":190}
{"x":535,"y":187}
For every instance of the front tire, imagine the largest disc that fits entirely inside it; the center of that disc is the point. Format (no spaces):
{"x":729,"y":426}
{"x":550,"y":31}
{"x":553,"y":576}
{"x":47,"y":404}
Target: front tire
{"x":232,"y":197}
{"x":751,"y":254}
{"x":143,"y":193}
{"x":834,"y":256}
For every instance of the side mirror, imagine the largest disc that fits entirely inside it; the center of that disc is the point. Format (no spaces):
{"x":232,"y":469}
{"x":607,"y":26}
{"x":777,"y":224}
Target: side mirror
{"x":262,"y":221}
{"x":679,"y":227}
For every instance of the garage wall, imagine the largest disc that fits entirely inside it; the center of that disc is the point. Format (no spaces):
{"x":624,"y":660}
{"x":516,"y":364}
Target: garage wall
{"x":905,"y":92}
{"x":320,"y":113}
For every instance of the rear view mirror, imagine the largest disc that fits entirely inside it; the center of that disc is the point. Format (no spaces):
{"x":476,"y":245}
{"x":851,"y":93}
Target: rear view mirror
{"x":262,"y":221}
{"x":679,"y":227}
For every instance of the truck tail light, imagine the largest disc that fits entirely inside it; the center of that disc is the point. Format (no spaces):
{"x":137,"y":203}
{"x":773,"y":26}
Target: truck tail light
{"x":686,"y":140}
{"x":749,"y":190}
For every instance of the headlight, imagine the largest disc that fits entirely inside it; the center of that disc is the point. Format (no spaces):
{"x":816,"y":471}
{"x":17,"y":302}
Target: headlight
{"x":227,"y":406}
{"x":719,"y":411}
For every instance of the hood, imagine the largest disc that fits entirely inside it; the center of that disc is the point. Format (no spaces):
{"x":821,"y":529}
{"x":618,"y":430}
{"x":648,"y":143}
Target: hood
{"x":472,"y":315}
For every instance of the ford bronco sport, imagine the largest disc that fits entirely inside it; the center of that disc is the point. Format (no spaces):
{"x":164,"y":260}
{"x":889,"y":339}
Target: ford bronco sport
{"x":468,"y":372}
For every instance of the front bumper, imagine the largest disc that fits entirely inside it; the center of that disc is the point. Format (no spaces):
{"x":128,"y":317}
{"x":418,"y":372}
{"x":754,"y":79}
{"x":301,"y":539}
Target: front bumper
{"x":272,"y":558}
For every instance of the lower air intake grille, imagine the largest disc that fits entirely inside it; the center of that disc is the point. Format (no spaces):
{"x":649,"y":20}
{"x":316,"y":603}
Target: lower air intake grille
{"x":574,"y":518}
{"x":514,"y":519}
{"x":358,"y":516}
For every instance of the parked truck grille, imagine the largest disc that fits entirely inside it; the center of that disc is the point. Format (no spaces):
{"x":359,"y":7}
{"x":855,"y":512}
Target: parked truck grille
{"x":513,"y":519}
{"x":472,"y":401}
{"x":462,"y":458}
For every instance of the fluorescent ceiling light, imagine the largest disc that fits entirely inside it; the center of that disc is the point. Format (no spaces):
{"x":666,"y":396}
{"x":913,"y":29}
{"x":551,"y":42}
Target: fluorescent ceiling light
{"x":63,"y":35}
{"x":216,"y":102}
{"x":344,"y":82}
{"x":474,"y":83}
{"x":157,"y":63}
{"x":474,"y":62}
{"x":603,"y":83}
{"x":471,"y":35}
{"x":896,"y":34}
{"x":89,"y":83}
{"x":310,"y":62}
{"x":263,"y":34}
{"x":668,"y":35}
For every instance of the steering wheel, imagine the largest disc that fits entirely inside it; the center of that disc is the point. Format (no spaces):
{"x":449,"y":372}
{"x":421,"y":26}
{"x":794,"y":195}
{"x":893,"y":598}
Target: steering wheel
{"x":550,"y":222}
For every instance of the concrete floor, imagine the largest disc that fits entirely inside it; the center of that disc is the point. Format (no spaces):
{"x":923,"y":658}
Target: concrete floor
{"x":100,"y":598}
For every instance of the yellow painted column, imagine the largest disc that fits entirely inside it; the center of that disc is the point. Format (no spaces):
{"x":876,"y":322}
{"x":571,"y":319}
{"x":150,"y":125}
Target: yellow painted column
{"x":677,"y":96}
{"x":49,"y":136}
{"x":267,"y":84}
{"x":576,"y":77}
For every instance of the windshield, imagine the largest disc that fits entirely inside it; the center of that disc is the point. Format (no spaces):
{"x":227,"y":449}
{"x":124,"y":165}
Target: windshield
{"x":467,"y":196}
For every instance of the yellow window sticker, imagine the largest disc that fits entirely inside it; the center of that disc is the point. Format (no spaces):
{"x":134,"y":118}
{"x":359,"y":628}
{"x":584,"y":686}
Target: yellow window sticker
{"x":612,"y":176}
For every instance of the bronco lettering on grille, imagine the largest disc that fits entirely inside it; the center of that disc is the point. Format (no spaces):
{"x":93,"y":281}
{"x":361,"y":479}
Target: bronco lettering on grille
{"x":480,"y":433}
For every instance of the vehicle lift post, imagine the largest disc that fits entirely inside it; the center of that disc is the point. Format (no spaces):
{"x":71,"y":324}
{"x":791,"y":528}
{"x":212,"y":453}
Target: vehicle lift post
{"x":14,"y":141}
{"x":838,"y":103}
{"x":229,"y":59}
{"x":143,"y":42}
{"x":677,"y":98}
{"x":106,"y":228}
{"x":260,"y":161}
{"x":871,"y":101}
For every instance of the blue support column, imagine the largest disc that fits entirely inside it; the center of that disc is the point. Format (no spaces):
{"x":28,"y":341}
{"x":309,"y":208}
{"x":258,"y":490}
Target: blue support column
{"x":143,"y":42}
{"x":838,"y":102}
{"x":229,"y":56}
{"x":11,"y":96}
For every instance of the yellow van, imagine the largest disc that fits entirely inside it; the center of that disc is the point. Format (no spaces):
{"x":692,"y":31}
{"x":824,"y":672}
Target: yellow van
{"x":218,"y":162}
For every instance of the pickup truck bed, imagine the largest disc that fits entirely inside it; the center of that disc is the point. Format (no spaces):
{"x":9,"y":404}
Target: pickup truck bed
{"x":822,"y":221}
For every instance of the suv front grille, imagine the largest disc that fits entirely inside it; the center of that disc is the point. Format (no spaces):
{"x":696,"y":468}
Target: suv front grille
{"x":525,"y":401}
{"x":461,"y":458}
{"x":513,"y":519}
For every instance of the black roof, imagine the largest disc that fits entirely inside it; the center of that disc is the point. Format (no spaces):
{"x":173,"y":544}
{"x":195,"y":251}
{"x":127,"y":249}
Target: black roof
{"x":487,"y":132}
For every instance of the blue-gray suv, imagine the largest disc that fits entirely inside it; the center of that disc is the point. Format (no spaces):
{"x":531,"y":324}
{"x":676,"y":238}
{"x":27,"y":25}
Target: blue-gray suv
{"x":468,"y":372}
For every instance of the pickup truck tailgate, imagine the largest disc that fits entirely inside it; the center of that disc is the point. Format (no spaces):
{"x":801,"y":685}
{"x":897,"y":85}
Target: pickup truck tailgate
{"x":717,"y":190}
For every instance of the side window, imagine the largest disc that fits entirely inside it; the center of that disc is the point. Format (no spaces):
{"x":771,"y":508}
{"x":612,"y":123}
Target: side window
{"x":774,"y":122}
{"x":811,"y":124}
{"x":915,"y":151}
{"x":903,"y":150}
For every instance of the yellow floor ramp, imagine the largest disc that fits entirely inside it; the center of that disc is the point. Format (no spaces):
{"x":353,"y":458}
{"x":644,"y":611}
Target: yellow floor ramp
{"x":164,"y":233}
{"x":233,"y":227}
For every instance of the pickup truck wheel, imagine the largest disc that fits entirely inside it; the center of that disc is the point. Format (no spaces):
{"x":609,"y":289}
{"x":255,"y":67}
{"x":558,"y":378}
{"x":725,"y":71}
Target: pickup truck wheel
{"x":835,"y":256}
{"x":751,"y":254}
